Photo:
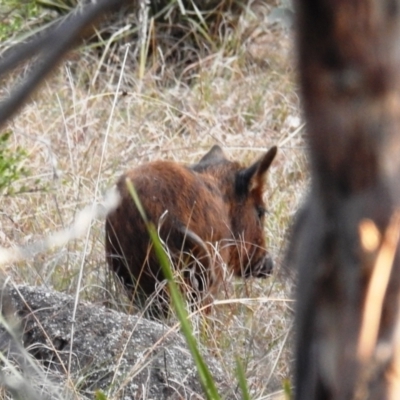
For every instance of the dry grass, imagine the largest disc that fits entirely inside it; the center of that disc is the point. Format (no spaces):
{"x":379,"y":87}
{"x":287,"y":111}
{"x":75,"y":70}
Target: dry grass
{"x":246,"y":103}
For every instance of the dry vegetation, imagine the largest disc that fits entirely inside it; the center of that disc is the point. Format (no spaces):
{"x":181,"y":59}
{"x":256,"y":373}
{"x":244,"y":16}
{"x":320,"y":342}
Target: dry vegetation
{"x":78,"y":144}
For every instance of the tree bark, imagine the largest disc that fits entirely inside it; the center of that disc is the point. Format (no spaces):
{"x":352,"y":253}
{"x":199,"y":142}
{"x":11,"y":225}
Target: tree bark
{"x":346,"y":236}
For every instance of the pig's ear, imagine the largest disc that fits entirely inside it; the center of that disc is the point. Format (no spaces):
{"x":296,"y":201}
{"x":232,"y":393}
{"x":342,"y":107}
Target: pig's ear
{"x":253,"y":177}
{"x":214,"y":155}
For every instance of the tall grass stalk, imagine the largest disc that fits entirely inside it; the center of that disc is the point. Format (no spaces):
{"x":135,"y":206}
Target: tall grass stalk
{"x":206,"y":379}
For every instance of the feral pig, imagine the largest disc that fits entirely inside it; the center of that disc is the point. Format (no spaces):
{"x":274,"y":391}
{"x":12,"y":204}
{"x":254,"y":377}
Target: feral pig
{"x":209,"y":215}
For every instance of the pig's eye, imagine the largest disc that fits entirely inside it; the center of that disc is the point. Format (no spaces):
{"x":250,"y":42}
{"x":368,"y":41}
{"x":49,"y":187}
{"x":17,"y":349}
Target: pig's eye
{"x":261,"y":211}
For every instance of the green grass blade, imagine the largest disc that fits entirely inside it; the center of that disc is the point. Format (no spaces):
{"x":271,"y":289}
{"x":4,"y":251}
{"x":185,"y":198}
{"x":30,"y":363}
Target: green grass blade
{"x":99,"y":395}
{"x":287,"y":389}
{"x":206,"y":378}
{"x":242,"y":380}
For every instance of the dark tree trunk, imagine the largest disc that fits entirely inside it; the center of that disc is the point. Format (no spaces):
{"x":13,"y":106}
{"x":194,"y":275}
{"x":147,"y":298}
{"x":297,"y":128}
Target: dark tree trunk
{"x":346,"y":236}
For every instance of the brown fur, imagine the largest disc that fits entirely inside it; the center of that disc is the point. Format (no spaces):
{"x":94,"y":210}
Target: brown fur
{"x":209,"y":215}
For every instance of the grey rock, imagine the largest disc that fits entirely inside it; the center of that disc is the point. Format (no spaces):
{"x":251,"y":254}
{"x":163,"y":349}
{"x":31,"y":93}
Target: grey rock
{"x":125,"y":356}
